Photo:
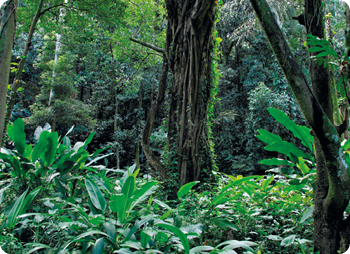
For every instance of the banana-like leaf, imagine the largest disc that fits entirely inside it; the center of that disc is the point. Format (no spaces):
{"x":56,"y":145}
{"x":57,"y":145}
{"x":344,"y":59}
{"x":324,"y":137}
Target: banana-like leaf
{"x":266,"y":183}
{"x":38,"y":149}
{"x":185,"y":189}
{"x":19,"y":135}
{"x":99,"y":246}
{"x":178,"y":233}
{"x":141,"y":194}
{"x":28,"y":200}
{"x":276,"y":162}
{"x":301,"y":132}
{"x":96,"y":196}
{"x":15,"y":211}
{"x":129,"y":187}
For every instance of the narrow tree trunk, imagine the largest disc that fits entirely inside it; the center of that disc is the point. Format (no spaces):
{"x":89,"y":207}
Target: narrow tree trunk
{"x":7,"y":33}
{"x":137,"y":152}
{"x":15,"y":84}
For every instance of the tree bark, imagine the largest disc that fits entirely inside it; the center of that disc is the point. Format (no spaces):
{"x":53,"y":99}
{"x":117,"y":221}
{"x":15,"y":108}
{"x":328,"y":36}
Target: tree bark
{"x":7,"y":34}
{"x":15,"y":84}
{"x":191,"y":24}
{"x":332,"y":195}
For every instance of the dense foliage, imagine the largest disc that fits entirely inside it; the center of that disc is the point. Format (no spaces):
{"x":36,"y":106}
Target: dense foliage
{"x":91,"y":77}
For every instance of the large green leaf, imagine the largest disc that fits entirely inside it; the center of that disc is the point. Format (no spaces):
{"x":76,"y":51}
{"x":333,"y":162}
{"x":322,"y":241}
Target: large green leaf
{"x":13,"y":161}
{"x":301,"y":132}
{"x":96,"y":196}
{"x":19,"y":135}
{"x":307,"y":214}
{"x":129,"y":187}
{"x":99,"y":246}
{"x":52,"y":139}
{"x":117,"y":203}
{"x":276,"y":162}
{"x":38,"y":149}
{"x":83,"y":235}
{"x":28,"y":200}
{"x":288,"y":240}
{"x":141,"y":194}
{"x":137,"y":225}
{"x":15,"y":211}
{"x":185,"y":189}
{"x":266,"y":183}
{"x":178,"y":233}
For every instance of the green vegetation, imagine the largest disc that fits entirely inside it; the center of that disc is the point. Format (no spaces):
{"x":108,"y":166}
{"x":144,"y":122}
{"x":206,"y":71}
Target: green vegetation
{"x":234,"y":115}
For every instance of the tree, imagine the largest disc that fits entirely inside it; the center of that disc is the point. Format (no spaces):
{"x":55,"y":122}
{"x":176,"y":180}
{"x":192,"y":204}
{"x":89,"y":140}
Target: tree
{"x":7,"y":33}
{"x":188,"y":53}
{"x":332,"y":192}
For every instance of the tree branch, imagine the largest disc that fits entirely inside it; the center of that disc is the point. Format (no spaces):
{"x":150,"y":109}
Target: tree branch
{"x":155,"y":48}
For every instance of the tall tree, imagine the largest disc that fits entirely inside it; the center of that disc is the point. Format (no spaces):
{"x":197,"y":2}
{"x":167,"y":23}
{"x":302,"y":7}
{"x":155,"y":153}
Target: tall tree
{"x":188,"y":53}
{"x":332,"y":192}
{"x":7,"y":33}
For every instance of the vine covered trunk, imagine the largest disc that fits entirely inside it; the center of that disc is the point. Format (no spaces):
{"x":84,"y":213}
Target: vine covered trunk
{"x":7,"y":33}
{"x":332,"y":184}
{"x":191,"y":24}
{"x":187,"y":55}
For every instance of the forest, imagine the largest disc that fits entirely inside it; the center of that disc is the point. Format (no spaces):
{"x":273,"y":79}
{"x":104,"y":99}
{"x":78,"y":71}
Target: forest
{"x":174,"y":126}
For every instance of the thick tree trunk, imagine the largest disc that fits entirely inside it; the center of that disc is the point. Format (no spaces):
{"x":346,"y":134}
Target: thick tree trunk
{"x":332,"y":195}
{"x":188,"y":54}
{"x":7,"y":33}
{"x":191,"y":24}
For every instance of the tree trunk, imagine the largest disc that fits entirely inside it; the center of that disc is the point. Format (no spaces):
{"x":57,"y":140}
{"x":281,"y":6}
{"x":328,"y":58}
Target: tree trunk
{"x":332,"y":195}
{"x":7,"y":33}
{"x":15,"y":84}
{"x":191,"y":24}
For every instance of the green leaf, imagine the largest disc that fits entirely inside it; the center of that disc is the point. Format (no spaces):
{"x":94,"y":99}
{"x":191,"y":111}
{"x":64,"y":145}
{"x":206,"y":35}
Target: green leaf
{"x":288,"y":240}
{"x":185,"y":189}
{"x":199,"y":249}
{"x":10,"y":132}
{"x":224,"y":223}
{"x":322,"y":54}
{"x":117,"y":203}
{"x":28,"y":200}
{"x":276,"y":162}
{"x":39,"y":148}
{"x":19,"y":135}
{"x":307,"y":214}
{"x":52,"y":139}
{"x":129,"y":187}
{"x":137,"y":225}
{"x":302,"y":166}
{"x":28,"y":152}
{"x":141,"y":194}
{"x":89,"y":233}
{"x":315,"y":49}
{"x":301,"y":132}
{"x":266,"y":183}
{"x":96,"y":196}
{"x":99,"y":246}
{"x":15,"y":211}
{"x":178,"y":233}
{"x":145,"y":239}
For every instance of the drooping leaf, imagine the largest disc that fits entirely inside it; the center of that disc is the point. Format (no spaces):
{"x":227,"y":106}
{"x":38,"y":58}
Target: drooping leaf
{"x":301,"y":132}
{"x":15,"y":211}
{"x":288,"y":240}
{"x":99,"y":246}
{"x":178,"y":233}
{"x":96,"y":196}
{"x":276,"y":162}
{"x":185,"y":189}
{"x":28,"y":200}
{"x":307,"y":214}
